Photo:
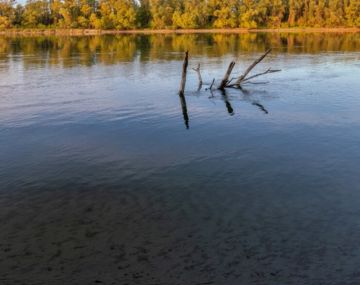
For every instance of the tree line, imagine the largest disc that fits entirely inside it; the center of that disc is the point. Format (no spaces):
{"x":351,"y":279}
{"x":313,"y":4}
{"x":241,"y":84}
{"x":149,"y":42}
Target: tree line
{"x":179,"y":14}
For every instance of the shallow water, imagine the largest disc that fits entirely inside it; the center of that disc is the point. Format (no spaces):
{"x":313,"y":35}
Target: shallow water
{"x":263,"y":182}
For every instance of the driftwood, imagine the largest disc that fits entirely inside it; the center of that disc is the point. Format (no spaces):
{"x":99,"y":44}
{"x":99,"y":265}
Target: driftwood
{"x":225,"y":80}
{"x":197,"y":70}
{"x":225,"y":83}
{"x":243,"y":78}
{"x":247,"y":71}
{"x":262,"y":73}
{"x":211,"y":85}
{"x":183,"y":76}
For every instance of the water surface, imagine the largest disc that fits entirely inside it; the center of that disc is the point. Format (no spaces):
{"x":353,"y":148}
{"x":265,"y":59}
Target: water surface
{"x":259,"y":186}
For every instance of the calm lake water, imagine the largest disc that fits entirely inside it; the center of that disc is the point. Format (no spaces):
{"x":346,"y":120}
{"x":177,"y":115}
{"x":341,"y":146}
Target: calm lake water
{"x":260,"y":185}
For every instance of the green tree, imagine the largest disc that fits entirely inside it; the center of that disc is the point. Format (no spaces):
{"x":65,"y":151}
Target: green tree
{"x":19,"y":12}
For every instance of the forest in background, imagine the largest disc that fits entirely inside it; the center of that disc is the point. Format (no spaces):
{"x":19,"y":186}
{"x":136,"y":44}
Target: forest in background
{"x":178,"y":14}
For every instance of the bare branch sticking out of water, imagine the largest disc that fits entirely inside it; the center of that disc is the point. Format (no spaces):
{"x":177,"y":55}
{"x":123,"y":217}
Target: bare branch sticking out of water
{"x":247,"y":71}
{"x":244,"y":79}
{"x":225,"y":80}
{"x":269,"y":70}
{"x":226,"y":83}
{"x":256,"y":83}
{"x":183,"y":77}
{"x":212,"y":84}
{"x":182,"y":90}
{"x":210,"y":88}
{"x":197,"y":70}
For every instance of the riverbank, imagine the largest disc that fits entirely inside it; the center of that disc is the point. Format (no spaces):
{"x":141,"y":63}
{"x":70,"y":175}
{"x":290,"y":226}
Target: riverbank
{"x":78,"y":32}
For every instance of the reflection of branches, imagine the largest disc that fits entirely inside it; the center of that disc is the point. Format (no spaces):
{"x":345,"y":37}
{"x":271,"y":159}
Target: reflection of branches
{"x":183,"y":76}
{"x":184,"y":110}
{"x":253,"y":102}
{"x":244,"y":91}
{"x":261,"y":107}
{"x":227,"y":103}
{"x":246,"y":98}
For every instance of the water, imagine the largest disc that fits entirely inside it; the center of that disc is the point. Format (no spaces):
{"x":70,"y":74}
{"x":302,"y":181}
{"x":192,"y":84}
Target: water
{"x":262,"y":186}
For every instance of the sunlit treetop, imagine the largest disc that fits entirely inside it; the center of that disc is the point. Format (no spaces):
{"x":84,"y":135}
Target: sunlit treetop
{"x":183,"y":14}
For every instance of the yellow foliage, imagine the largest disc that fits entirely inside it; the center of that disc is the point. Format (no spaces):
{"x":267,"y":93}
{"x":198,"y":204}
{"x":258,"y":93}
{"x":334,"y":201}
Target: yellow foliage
{"x":4,"y":23}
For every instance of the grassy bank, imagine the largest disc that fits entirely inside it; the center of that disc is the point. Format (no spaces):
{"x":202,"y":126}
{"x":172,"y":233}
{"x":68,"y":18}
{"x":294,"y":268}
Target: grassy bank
{"x":78,"y":32}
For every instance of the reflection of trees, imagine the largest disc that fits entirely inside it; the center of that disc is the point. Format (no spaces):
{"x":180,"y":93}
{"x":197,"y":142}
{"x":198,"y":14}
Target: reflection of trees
{"x":5,"y":48}
{"x":88,"y":50}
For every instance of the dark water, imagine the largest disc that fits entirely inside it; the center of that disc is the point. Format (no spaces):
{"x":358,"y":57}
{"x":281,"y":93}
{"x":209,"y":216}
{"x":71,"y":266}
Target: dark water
{"x":264,"y":185}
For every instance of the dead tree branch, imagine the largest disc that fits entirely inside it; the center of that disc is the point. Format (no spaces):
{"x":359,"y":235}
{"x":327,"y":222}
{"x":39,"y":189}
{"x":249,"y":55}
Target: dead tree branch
{"x":247,"y":71}
{"x":197,"y":70}
{"x":262,"y":73}
{"x":183,"y":77}
{"x":225,"y":80}
{"x":212,"y":84}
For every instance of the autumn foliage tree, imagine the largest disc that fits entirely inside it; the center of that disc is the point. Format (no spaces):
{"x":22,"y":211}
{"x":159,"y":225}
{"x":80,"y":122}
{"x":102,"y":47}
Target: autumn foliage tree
{"x":179,"y":14}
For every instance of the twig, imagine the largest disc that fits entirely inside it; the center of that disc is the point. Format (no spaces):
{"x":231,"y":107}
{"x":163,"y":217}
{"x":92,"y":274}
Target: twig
{"x":183,"y":77}
{"x":212,"y":84}
{"x":197,"y":70}
{"x":256,"y":83}
{"x":262,"y":73}
{"x":233,"y":78}
{"x":225,"y":80}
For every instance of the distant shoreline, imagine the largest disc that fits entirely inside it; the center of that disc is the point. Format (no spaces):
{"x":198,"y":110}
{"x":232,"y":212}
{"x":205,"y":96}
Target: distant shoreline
{"x":81,"y":32}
